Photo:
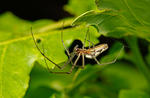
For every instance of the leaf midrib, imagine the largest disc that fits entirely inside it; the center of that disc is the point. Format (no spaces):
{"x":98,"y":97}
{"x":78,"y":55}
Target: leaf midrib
{"x":27,"y":37}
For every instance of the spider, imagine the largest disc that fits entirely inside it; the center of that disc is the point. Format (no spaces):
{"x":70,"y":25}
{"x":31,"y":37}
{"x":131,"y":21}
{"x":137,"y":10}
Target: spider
{"x":91,"y":53}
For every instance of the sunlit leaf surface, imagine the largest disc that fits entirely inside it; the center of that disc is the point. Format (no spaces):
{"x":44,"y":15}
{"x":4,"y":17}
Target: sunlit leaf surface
{"x":77,"y":7}
{"x":119,"y":18}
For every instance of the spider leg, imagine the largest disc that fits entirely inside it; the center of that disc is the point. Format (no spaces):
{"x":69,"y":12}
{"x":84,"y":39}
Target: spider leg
{"x":52,"y":71}
{"x":90,"y":44}
{"x":105,"y":63}
{"x":83,"y":62}
{"x":42,"y":52}
{"x":111,"y":62}
{"x":66,"y":49}
{"x":85,"y":39}
{"x":69,"y":60}
{"x":74,"y":64}
{"x":87,"y":35}
{"x":69,"y":72}
{"x":46,"y":62}
{"x":62,"y":67}
{"x":89,"y":41}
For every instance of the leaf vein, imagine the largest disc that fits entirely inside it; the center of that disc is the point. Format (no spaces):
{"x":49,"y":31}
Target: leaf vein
{"x":25,"y":38}
{"x":1,"y":70}
{"x":125,"y":2}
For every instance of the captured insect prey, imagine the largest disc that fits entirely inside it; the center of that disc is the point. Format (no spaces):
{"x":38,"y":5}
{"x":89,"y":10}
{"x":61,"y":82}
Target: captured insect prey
{"x":91,"y":53}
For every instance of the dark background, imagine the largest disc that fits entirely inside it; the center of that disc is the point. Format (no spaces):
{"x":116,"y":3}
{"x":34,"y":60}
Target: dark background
{"x":35,"y":9}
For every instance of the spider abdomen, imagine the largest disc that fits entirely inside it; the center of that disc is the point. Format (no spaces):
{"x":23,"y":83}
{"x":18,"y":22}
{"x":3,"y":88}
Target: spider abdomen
{"x":94,"y":52}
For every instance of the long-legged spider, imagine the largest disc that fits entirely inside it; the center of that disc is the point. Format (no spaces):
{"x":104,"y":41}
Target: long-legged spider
{"x":90,"y":53}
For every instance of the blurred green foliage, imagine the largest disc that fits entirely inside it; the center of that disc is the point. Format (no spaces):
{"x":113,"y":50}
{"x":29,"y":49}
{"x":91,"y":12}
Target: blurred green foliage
{"x":77,"y":7}
{"x":23,"y":72}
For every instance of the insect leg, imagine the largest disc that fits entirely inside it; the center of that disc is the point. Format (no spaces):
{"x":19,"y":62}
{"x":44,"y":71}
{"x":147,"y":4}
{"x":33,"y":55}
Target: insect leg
{"x":42,"y":52}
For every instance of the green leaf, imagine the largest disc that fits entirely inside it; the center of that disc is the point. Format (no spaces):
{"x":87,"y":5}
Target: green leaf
{"x":133,"y":94}
{"x":15,"y":58}
{"x":106,"y":23}
{"x":124,"y":75}
{"x":53,"y":96}
{"x":41,"y":92}
{"x":140,"y":64}
{"x":136,"y":12}
{"x":107,"y":81}
{"x":13,"y":27}
{"x":16,"y":63}
{"x":40,"y":77}
{"x":77,"y":7}
{"x":18,"y":52}
{"x":119,"y":18}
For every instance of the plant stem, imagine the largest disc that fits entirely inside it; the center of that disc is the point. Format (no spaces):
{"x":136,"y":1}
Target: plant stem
{"x":133,"y":43}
